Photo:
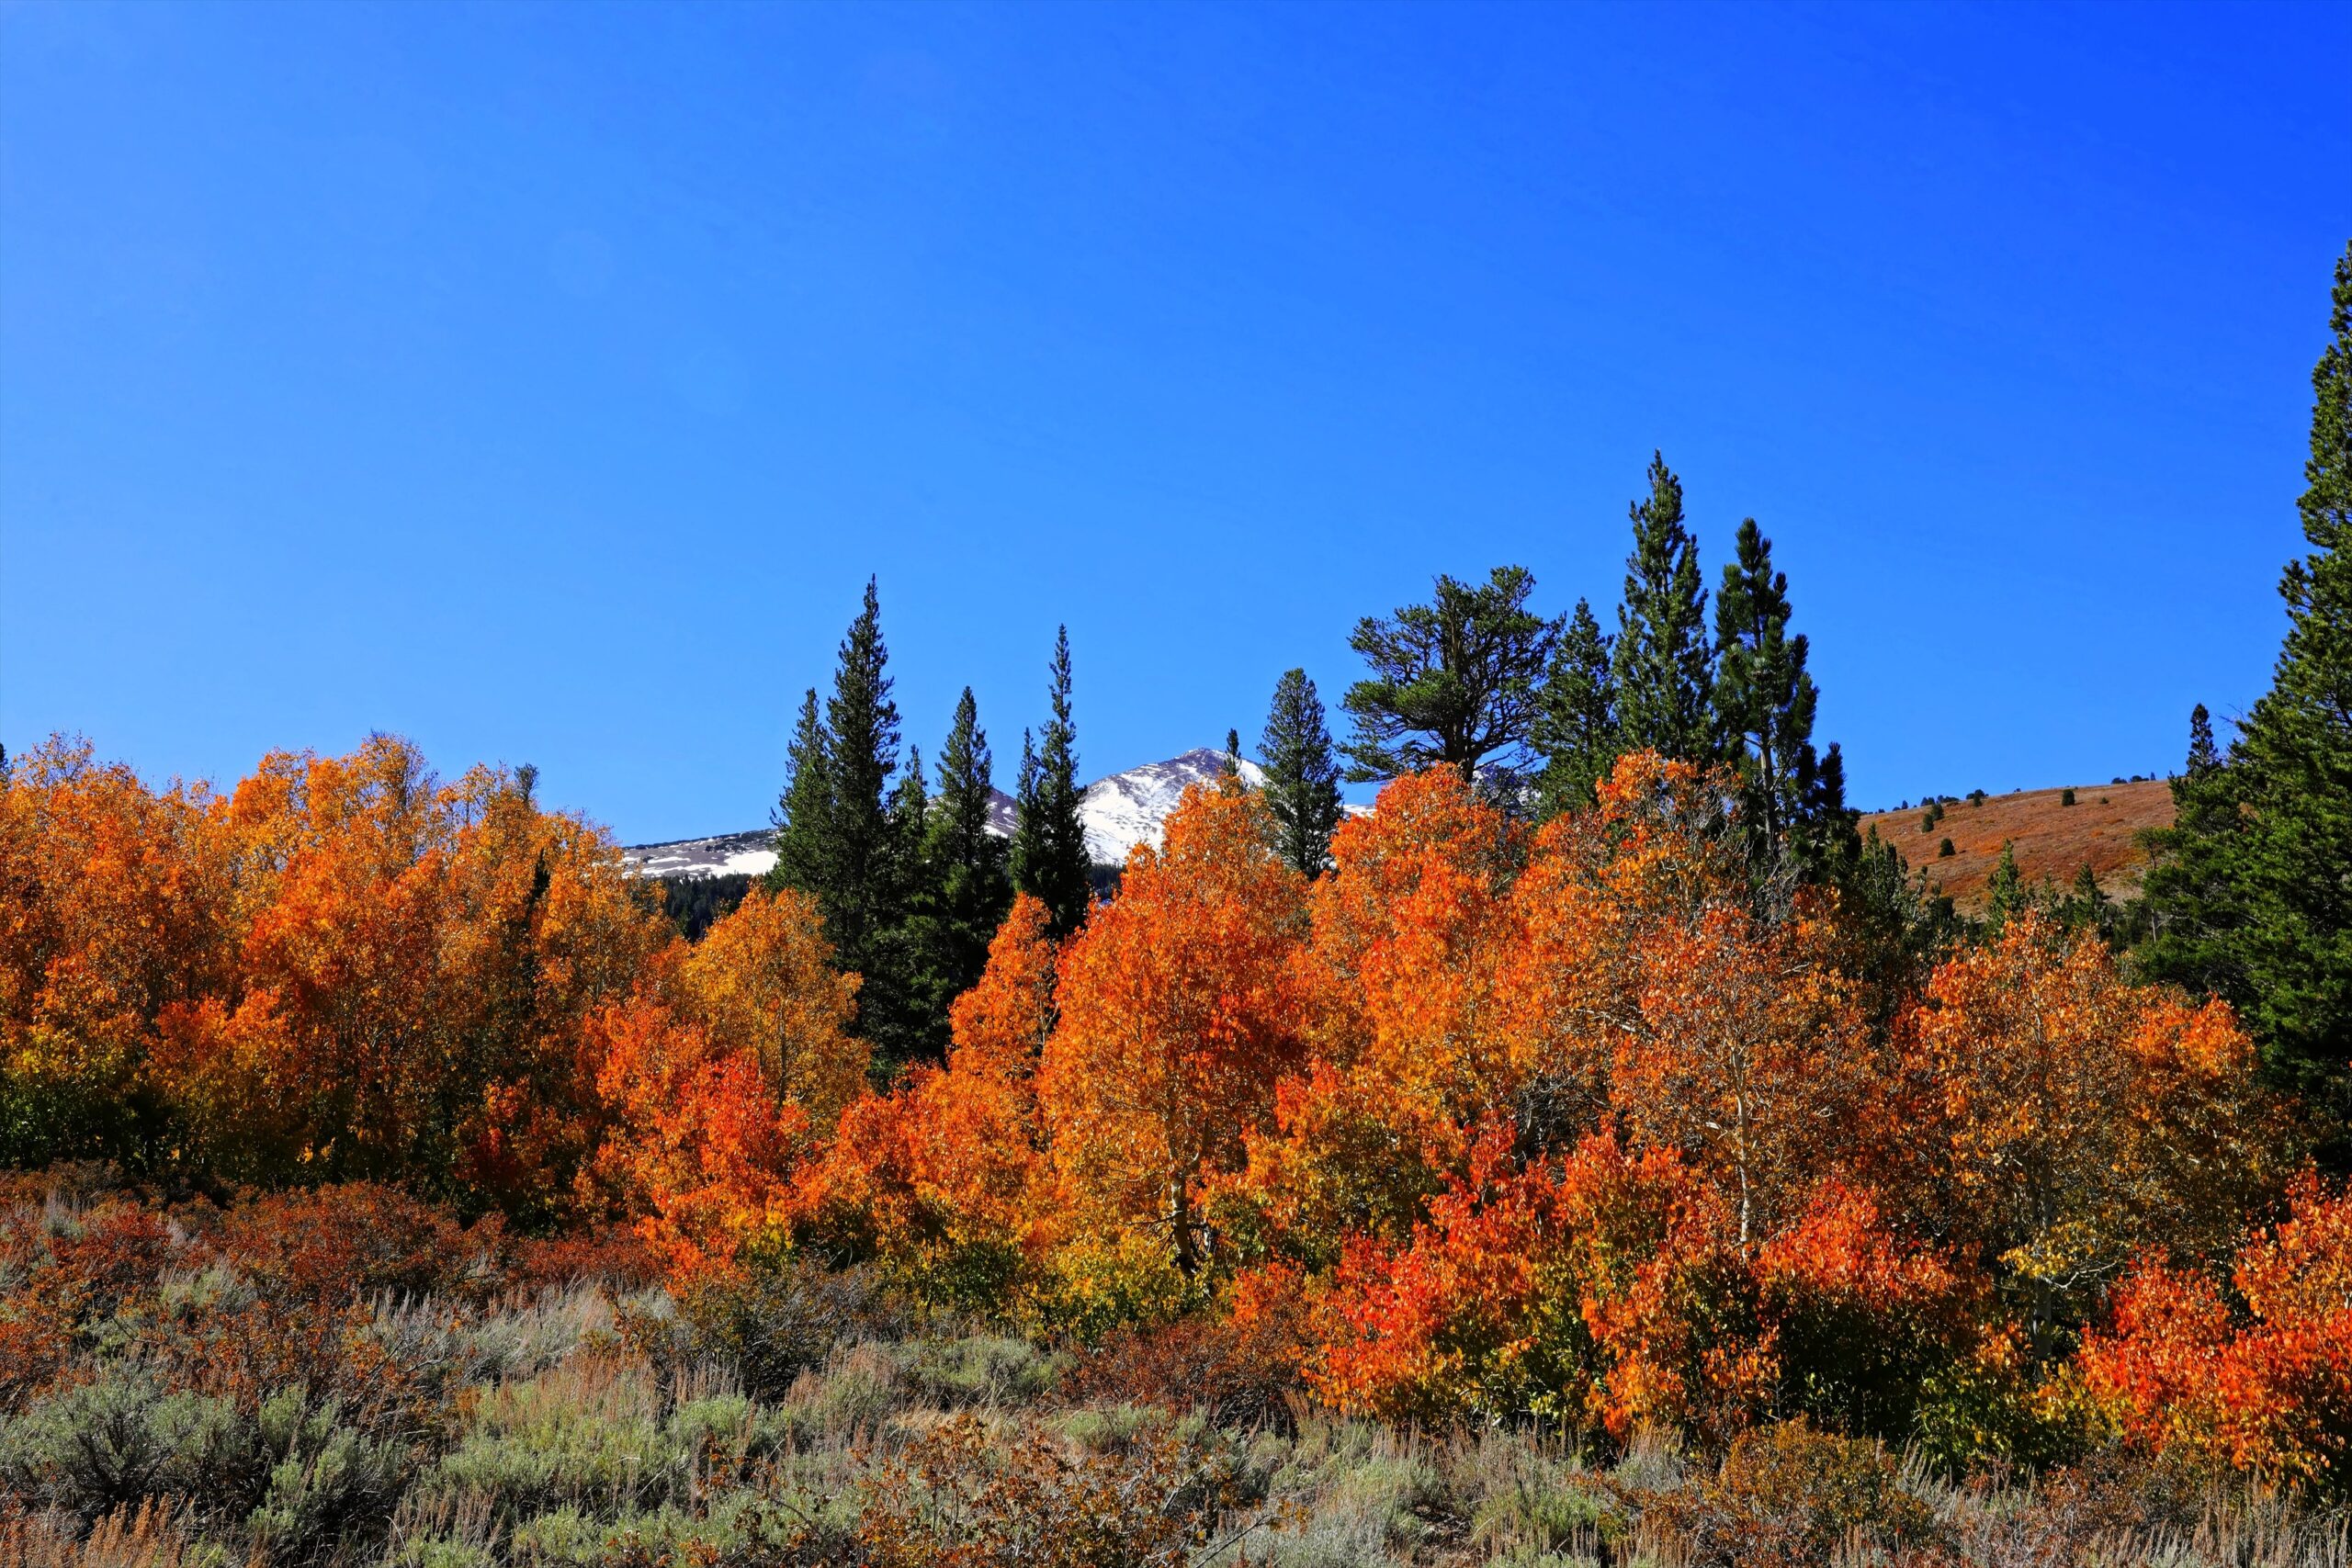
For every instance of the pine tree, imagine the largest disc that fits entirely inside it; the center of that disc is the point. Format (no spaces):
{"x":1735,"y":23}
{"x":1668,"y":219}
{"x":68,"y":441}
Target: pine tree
{"x":1663,"y":669}
{"x":909,"y":813}
{"x":802,"y":851}
{"x":1302,"y":775}
{"x":2004,"y":891}
{"x":840,"y":840}
{"x":1232,"y":766}
{"x":1576,"y":724}
{"x":2192,"y":907}
{"x":1454,"y":683}
{"x":1049,"y":856}
{"x":1764,"y":702}
{"x":966,"y":887}
{"x":2296,"y":748}
{"x":863,"y":720}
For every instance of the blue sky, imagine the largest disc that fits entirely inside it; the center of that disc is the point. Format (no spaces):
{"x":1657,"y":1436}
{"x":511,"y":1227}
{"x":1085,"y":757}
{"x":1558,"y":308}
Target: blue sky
{"x":544,"y":383}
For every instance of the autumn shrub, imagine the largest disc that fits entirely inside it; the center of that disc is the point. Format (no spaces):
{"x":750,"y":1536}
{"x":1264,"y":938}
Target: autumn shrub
{"x":610,"y":1256}
{"x":1095,"y":1285}
{"x":766,"y":1325}
{"x":1233,"y":1370}
{"x":1790,"y":1497}
{"x":971,"y":1494}
{"x":1862,"y":1319}
{"x":337,"y":1244}
{"x":2255,"y":1378}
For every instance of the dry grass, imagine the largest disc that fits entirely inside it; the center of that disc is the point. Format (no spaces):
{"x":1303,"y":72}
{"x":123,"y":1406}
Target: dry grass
{"x":2052,"y":841}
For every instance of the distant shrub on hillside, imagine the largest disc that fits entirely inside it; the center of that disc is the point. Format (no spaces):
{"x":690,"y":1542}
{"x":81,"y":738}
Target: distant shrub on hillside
{"x":2066,"y":797}
{"x":1944,"y":851}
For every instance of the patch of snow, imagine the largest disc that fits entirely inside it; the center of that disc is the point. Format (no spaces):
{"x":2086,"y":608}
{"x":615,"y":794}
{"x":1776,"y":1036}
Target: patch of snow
{"x":1119,"y":812}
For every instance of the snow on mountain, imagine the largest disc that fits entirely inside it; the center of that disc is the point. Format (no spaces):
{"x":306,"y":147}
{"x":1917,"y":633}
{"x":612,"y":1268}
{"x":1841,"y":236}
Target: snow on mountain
{"x":1131,"y":808}
{"x":729,"y":854}
{"x":1119,"y":811}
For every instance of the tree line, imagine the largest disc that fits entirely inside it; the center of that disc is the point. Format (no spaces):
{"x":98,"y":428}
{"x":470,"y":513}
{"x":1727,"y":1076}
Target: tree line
{"x":1533,"y":711}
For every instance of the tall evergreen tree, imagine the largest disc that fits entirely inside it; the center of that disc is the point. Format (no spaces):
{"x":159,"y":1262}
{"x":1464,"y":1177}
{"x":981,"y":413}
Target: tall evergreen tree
{"x":802,"y":849}
{"x":1575,"y":723}
{"x":1302,"y":775}
{"x":1232,"y":766}
{"x":2296,"y":748}
{"x":2250,"y":893}
{"x":1049,"y":856}
{"x":967,"y":886}
{"x":1663,"y":667}
{"x":1453,"y":682}
{"x":863,"y":720}
{"x":2192,"y":909}
{"x":840,"y":840}
{"x":1764,"y":702}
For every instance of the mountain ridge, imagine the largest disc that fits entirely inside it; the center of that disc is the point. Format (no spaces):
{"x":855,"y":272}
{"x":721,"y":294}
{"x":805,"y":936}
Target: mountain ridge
{"x":1120,"y":810}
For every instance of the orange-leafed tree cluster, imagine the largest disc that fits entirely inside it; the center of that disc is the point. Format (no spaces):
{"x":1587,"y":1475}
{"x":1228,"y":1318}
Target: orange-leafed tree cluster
{"x":348,"y":968}
{"x":1483,"y":1122}
{"x":1569,"y":1124}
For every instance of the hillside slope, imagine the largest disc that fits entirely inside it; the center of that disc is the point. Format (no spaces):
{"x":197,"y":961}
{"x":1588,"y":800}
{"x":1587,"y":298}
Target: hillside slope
{"x":2051,"y":840}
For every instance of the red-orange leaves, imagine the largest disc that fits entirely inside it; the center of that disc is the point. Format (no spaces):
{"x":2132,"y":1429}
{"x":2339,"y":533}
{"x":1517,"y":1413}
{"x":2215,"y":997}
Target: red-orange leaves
{"x":1000,"y":1025}
{"x":704,"y":1148}
{"x":1596,"y":1288}
{"x":2270,"y":1391}
{"x":1178,"y":1007}
{"x":934,"y":1179}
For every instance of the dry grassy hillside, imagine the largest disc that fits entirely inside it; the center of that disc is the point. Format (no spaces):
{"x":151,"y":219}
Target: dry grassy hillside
{"x":2052,"y":839}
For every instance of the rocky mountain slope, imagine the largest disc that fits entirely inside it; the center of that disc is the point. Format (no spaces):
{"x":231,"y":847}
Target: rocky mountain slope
{"x":1121,"y":811}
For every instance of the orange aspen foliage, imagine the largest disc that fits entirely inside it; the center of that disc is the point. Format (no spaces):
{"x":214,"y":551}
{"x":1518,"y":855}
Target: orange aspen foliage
{"x":1743,"y":1055}
{"x":1178,"y":1007}
{"x":1412,"y":929}
{"x":1648,"y":989}
{"x":1595,"y":1288}
{"x":1000,"y":1025}
{"x":704,"y":1148}
{"x":112,"y":905}
{"x":722,"y":1097}
{"x":2267,"y":1389}
{"x":761,"y":985}
{"x":935,"y":1179}
{"x":2065,"y":1119}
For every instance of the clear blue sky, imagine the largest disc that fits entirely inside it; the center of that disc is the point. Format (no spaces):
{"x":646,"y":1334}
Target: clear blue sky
{"x":543,"y":383}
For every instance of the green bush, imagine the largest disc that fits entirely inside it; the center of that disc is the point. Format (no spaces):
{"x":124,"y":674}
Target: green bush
{"x":335,"y":1489}
{"x":957,"y":1373}
{"x":1944,"y":851}
{"x":118,"y":1438}
{"x":2065,"y":798}
{"x":767,"y":1327}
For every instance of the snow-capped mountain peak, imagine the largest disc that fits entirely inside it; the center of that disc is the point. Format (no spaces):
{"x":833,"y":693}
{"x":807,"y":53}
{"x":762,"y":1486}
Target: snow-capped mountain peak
{"x":1132,"y":807}
{"x":1120,"y":811}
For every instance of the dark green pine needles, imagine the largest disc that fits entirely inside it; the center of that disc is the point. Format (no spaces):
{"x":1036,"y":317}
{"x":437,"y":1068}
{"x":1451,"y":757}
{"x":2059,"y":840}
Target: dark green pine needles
{"x":1049,"y":858}
{"x":1302,"y":775}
